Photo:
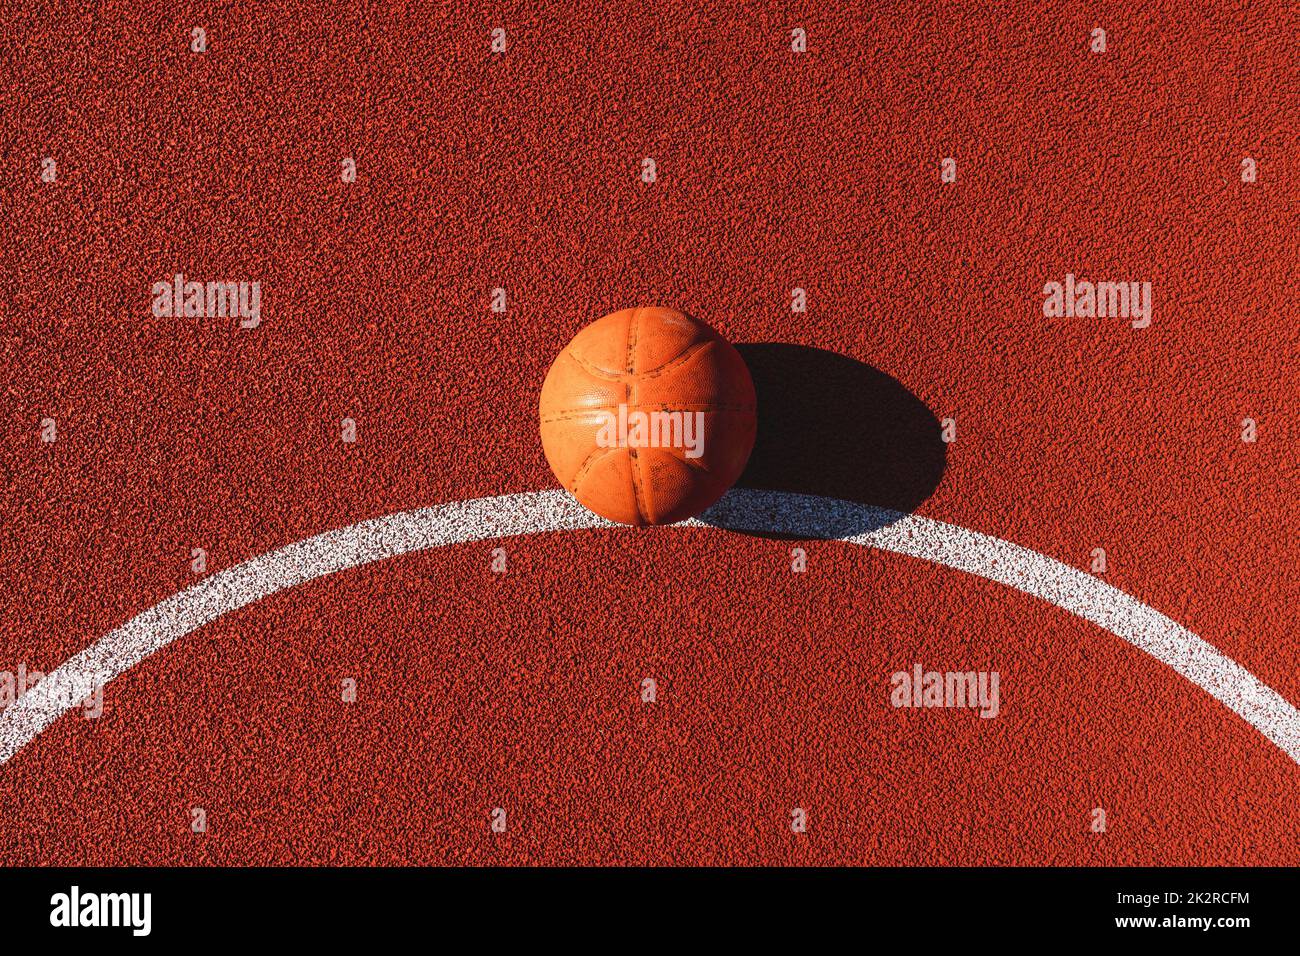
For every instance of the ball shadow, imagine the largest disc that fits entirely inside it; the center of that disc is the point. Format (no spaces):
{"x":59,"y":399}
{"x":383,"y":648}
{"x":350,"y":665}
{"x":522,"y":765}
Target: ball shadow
{"x":834,"y":427}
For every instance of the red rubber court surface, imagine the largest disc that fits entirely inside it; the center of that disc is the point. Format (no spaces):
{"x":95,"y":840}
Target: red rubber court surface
{"x":523,"y":170}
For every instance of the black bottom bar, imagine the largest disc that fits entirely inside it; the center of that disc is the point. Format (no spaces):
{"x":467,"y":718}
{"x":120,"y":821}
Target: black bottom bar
{"x":643,"y":907}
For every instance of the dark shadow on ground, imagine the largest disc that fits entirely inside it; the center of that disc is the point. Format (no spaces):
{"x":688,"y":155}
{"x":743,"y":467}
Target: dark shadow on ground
{"x":833,"y":427}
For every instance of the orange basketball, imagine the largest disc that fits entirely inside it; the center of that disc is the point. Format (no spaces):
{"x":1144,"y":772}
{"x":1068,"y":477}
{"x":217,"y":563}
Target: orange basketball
{"x":648,"y":416}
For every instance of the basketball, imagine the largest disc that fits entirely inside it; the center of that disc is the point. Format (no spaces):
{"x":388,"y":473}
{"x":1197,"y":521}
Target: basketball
{"x":648,"y":416}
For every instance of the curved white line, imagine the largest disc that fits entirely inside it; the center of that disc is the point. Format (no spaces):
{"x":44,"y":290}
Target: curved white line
{"x":459,"y":522}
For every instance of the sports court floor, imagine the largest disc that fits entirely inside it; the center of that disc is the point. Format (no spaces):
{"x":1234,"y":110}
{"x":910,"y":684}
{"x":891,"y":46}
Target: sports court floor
{"x":502,"y":717}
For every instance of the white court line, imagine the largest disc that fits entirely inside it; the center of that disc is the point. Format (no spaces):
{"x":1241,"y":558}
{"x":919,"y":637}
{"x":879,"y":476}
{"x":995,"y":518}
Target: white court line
{"x":537,"y":512}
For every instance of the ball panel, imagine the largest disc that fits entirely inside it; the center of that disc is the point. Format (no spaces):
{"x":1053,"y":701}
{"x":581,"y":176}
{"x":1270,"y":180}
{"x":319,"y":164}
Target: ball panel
{"x":603,"y":344}
{"x":673,"y":490}
{"x":662,"y":336}
{"x":712,"y":375}
{"x":569,"y":386}
{"x":607,"y":488}
{"x":569,"y":443}
{"x":728,"y":440}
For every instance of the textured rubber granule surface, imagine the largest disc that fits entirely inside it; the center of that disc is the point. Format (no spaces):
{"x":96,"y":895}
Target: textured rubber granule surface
{"x":775,"y":170}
